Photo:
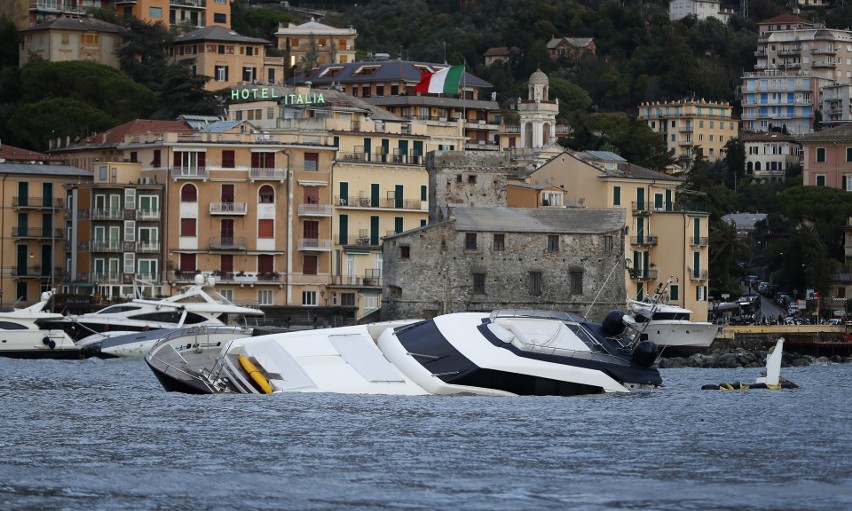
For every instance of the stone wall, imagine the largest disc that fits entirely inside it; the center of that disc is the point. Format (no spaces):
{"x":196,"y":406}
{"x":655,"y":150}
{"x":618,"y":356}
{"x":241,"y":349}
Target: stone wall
{"x":429,"y":271}
{"x":469,"y":178}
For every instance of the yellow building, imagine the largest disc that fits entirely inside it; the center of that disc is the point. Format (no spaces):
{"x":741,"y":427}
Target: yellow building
{"x":33,"y":235}
{"x":64,"y":39}
{"x":192,"y":13}
{"x":311,"y":44}
{"x":692,"y":123}
{"x":667,"y":235}
{"x":223,"y":55}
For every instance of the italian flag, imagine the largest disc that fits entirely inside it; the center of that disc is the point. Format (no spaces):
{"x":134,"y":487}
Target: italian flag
{"x":446,"y":80}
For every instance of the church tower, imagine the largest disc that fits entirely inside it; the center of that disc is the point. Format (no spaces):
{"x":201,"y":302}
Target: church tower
{"x":538,"y":113}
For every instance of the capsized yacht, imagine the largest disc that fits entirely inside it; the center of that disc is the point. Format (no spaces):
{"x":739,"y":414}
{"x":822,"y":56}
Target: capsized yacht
{"x":21,"y":335}
{"x":506,"y":352}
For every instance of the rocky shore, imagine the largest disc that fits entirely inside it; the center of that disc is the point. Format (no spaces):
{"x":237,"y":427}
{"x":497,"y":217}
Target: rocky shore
{"x":746,"y":358}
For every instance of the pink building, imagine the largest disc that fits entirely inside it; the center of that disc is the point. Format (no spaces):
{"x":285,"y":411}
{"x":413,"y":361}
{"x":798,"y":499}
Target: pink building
{"x":827,"y":158}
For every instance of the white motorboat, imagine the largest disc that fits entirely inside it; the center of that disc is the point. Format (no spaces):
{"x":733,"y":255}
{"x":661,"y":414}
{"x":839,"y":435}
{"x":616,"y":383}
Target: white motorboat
{"x":502,"y":353}
{"x":21,"y":336}
{"x":198,"y":304}
{"x":669,"y":325}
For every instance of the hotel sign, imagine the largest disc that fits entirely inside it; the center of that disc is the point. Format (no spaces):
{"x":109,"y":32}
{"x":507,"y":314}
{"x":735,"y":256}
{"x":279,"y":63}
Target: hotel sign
{"x":272,"y":93}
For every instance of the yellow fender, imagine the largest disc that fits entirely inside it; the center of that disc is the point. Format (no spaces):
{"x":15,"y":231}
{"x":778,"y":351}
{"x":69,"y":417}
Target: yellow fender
{"x":255,"y":374}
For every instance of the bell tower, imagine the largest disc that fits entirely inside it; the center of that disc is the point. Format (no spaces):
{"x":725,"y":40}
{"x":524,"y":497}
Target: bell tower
{"x":538,"y":113}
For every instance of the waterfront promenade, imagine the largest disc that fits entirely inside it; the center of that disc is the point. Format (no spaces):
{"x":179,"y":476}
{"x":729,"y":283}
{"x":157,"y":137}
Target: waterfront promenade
{"x":816,"y":340}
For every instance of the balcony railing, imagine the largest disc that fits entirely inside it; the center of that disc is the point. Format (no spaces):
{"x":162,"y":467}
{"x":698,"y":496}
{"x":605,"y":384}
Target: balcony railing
{"x":106,"y":278}
{"x":227,"y":243}
{"x":359,"y":240}
{"x":356,"y":281}
{"x":314,"y":210}
{"x":642,"y":274}
{"x":271,"y":174}
{"x":37,"y":232}
{"x":699,"y":241}
{"x":314,"y":244}
{"x":391,"y":159}
{"x":696,"y":274}
{"x":147,"y":246}
{"x":386,"y":203}
{"x":148,"y":214}
{"x":644,"y":241}
{"x":107,"y":214}
{"x":189,"y":172}
{"x":200,"y":4}
{"x":228,"y":208}
{"x":106,"y":246}
{"x":34,"y":271}
{"x":37,"y":202}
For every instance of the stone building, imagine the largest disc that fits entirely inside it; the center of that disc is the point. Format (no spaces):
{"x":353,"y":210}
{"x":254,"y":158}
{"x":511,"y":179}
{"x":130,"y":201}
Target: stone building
{"x":476,"y":254}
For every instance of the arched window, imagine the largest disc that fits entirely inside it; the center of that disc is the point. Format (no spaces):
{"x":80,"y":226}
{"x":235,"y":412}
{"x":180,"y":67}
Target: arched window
{"x":749,"y":167}
{"x":757,"y":165}
{"x":189,"y":193}
{"x":266,"y":195}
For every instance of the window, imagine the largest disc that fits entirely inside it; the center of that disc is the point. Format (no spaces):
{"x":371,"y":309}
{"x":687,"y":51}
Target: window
{"x":820,"y":180}
{"x":553,"y":243}
{"x":187,"y":262}
{"x":479,"y":283}
{"x":228,"y":159}
{"x":820,"y":155}
{"x":576,"y":282}
{"x":309,"y":297}
{"x":219,"y":17}
{"x":155,"y":12}
{"x":534,"y":282}
{"x":616,"y":196}
{"x":156,"y":162}
{"x":674,"y":292}
{"x":347,"y":299}
{"x":264,"y":297}
{"x":608,"y":244}
{"x":266,"y":228}
{"x":220,"y":49}
{"x":249,"y":74}
{"x":102,"y":173}
{"x":221,"y":73}
{"x":470,"y":241}
{"x":499,"y":242}
{"x":405,"y":252}
{"x":849,"y":154}
{"x":189,"y":193}
{"x":266,"y":195}
{"x":310,"y":264}
{"x":187,"y":226}
{"x":311,"y":161}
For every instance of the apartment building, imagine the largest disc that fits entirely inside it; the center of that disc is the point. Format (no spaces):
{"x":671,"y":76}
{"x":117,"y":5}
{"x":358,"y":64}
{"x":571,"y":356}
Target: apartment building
{"x":690,"y":123}
{"x":827,"y":157}
{"x":836,"y":101}
{"x":33,"y":12}
{"x":65,"y":38}
{"x":768,"y":156}
{"x":223,"y":55}
{"x":177,"y":13}
{"x":796,"y":58}
{"x":571,"y":47}
{"x":666,"y":231}
{"x":701,"y":9}
{"x":33,"y":237}
{"x":312,"y":44}
{"x":390,"y":84}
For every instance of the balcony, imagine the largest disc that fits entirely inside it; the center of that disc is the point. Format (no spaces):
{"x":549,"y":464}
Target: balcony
{"x":107,"y":214}
{"x":640,"y":207}
{"x":390,"y":159}
{"x":361,"y":240}
{"x":697,"y":275}
{"x":267,"y":174}
{"x":189,"y":173}
{"x":37,"y":233}
{"x":314,"y":245}
{"x":644,"y":241}
{"x":643,"y":274}
{"x":314,"y":210}
{"x":106,"y":246}
{"x":227,"y":243}
{"x":189,"y":4}
{"x":356,"y":281}
{"x":106,"y":278}
{"x":34,"y":271}
{"x":37,"y":203}
{"x":699,"y":241}
{"x":148,"y":247}
{"x":229,"y":208}
{"x":252,"y":278}
{"x":789,"y":51}
{"x":824,"y":63}
{"x":148,"y":214}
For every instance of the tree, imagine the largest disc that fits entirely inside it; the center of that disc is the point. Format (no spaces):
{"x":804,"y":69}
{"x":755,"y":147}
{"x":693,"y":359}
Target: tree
{"x":571,"y":97}
{"x":34,"y":124}
{"x":184,"y":93}
{"x":823,"y":209}
{"x":727,"y":249}
{"x":142,"y":54}
{"x":735,"y":161}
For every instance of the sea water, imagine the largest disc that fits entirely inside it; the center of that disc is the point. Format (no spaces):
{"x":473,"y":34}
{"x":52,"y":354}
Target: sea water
{"x":95,"y":434}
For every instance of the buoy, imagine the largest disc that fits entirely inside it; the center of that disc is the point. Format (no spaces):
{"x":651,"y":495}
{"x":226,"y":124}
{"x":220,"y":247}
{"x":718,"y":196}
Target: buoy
{"x":255,"y":374}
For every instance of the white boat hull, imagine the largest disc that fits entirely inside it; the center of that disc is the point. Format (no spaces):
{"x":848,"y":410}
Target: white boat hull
{"x":37,"y":344}
{"x":678,"y":334}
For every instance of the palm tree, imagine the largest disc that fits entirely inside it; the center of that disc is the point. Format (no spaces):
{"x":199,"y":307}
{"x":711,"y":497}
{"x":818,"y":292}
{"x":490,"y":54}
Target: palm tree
{"x":727,"y":248}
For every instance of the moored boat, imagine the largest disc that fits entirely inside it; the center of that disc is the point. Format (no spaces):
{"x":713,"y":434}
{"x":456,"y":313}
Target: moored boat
{"x":21,"y":335}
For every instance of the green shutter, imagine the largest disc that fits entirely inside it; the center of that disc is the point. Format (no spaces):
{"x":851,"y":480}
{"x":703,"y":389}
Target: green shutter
{"x":374,"y":195}
{"x":423,"y":193}
{"x":374,"y":230}
{"x":616,"y":196}
{"x":397,"y":197}
{"x":397,"y":225}
{"x":343,"y":229}
{"x":344,"y":193}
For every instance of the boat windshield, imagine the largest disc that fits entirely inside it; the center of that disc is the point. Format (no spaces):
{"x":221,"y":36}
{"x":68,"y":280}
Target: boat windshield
{"x":671,"y":316}
{"x":117,"y":309}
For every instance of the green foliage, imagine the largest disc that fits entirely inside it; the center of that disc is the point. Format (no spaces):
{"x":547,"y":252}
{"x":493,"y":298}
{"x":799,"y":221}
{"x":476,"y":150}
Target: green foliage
{"x":104,"y":88}
{"x":727,"y":249}
{"x":8,"y":44}
{"x":261,"y":22}
{"x":34,"y":123}
{"x":184,"y":93}
{"x":572,"y":98}
{"x":824,"y":210}
{"x":142,"y":54}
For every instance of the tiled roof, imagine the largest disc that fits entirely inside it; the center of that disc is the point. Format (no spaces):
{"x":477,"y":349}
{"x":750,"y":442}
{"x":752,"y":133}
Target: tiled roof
{"x":768,"y":137}
{"x":115,"y":135}
{"x":217,"y":33}
{"x":549,"y":220}
{"x":784,"y":18}
{"x":43,"y":170}
{"x":83,"y":24}
{"x":11,"y":153}
{"x":842,"y":132}
{"x":382,"y":71}
{"x":501,"y":51}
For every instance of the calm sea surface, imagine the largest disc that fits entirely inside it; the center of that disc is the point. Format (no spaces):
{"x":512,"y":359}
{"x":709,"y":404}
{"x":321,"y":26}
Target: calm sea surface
{"x":100,"y":434}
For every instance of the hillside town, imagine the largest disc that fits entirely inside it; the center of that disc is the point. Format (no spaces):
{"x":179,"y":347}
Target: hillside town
{"x":355,"y":190}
